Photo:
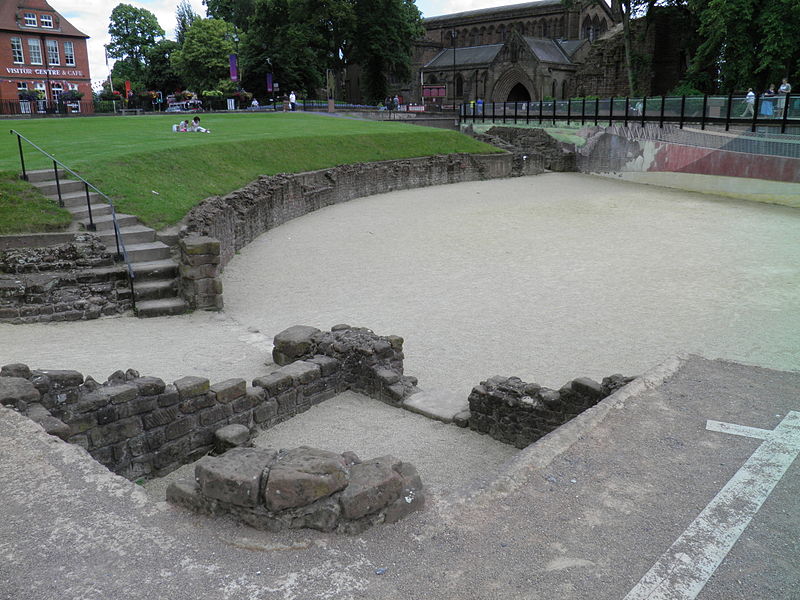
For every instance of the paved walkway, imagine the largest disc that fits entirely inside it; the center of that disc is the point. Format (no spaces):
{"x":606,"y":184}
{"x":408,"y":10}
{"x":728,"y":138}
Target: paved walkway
{"x":547,"y":278}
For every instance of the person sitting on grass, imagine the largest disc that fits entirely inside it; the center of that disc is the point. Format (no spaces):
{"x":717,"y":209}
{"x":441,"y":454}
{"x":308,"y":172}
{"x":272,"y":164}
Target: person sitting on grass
{"x":196,"y":126}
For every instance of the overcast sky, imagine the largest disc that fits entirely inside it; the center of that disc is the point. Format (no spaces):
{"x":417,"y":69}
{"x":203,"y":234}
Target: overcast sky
{"x":92,"y":16}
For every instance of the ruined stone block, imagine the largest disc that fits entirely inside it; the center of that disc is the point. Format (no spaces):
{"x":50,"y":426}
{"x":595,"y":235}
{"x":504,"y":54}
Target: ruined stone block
{"x":274,"y":383}
{"x":228,"y":390}
{"x":327,"y":364}
{"x":117,"y":394}
{"x":230,"y":436}
{"x":149,"y":386}
{"x":15,"y":370}
{"x":374,"y":485}
{"x":197,"y":244}
{"x":215,"y":414}
{"x":180,"y":427}
{"x":302,"y":476}
{"x":17,"y":392}
{"x":115,"y":432}
{"x":191,"y":386}
{"x":293,"y":343}
{"x":234,"y":477}
{"x":265,"y":411}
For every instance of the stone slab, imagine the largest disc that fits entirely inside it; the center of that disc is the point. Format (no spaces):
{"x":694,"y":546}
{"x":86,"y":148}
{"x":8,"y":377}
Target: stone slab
{"x":442,"y":405}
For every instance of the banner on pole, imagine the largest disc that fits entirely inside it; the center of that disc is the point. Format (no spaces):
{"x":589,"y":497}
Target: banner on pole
{"x":269,"y":82}
{"x":234,"y":68}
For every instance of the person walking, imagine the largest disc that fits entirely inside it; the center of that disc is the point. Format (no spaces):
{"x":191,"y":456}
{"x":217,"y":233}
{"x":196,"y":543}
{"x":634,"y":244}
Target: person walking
{"x":293,"y":101}
{"x":749,"y":103}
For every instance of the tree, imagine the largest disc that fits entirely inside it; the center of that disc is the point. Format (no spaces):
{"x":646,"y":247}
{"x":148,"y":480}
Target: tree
{"x":747,"y":43}
{"x":382,"y":41}
{"x":132,"y":30}
{"x":236,"y":12}
{"x":159,"y":73}
{"x":185,"y":16}
{"x":202,"y":61}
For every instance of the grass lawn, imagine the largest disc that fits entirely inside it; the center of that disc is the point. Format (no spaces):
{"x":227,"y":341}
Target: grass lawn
{"x":159,"y":175}
{"x":24,"y":210}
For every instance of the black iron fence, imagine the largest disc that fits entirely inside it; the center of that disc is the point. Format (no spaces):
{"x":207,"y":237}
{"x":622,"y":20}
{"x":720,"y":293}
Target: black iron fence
{"x":781,"y":111}
{"x":40,"y":108}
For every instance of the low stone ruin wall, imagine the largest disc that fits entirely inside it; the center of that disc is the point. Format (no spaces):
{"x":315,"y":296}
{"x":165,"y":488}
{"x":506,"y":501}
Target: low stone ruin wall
{"x":68,"y":282}
{"x":141,"y":427}
{"x":519,"y":413}
{"x":241,"y":216}
{"x":533,"y":150}
{"x":302,"y":487}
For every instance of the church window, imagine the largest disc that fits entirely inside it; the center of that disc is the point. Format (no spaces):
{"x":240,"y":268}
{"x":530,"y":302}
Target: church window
{"x":563,"y":90}
{"x":459,"y":86}
{"x":545,"y":30}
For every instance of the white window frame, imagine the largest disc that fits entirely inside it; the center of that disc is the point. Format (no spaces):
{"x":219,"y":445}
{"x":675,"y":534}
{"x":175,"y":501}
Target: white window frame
{"x":69,"y":54}
{"x":34,"y":49}
{"x":17,"y":51}
{"x":52,"y":52}
{"x":72,"y":86}
{"x":46,"y":21}
{"x":29,"y":20}
{"x":56,"y":89}
{"x":22,"y":86}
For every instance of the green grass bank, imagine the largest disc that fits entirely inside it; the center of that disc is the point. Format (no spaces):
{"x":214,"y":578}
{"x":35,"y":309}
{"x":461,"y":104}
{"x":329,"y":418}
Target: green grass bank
{"x":159,"y":175}
{"x":24,"y":210}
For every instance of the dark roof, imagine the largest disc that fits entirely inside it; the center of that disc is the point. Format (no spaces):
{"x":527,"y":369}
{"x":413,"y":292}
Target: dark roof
{"x":473,"y":55}
{"x":495,"y":10}
{"x":8,"y":18}
{"x":571,"y":46}
{"x":547,"y":50}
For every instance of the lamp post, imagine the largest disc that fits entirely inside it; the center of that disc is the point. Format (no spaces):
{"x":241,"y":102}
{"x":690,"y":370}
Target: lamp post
{"x":453,"y":36}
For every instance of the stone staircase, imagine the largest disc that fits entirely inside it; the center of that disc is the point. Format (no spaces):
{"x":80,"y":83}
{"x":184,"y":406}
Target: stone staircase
{"x":156,"y":273}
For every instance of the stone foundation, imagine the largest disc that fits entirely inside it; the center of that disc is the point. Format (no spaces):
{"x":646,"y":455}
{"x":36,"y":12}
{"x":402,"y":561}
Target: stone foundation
{"x":519,"y":413}
{"x":142,"y":427}
{"x":199,"y":269}
{"x":68,"y":282}
{"x":302,"y":487}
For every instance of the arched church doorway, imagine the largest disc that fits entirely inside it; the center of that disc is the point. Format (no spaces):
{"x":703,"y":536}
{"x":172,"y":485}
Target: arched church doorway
{"x":519,"y":93}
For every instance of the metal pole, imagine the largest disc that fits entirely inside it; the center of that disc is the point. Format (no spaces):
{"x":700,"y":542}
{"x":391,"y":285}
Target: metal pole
{"x":453,"y":35}
{"x":541,"y":109}
{"x":504,"y":112}
{"x":627,"y":102}
{"x":583,"y":111}
{"x":596,"y":109}
{"x":728,"y":112}
{"x":554,"y":111}
{"x":515,"y":111}
{"x":683,"y":112}
{"x":116,"y":234}
{"x":528,"y":113}
{"x":787,"y":98}
{"x":569,"y":110}
{"x":58,"y":184}
{"x":92,"y":226}
{"x":661,"y":117}
{"x":22,"y":158}
{"x":703,"y":116}
{"x":493,"y":111}
{"x":611,"y":111}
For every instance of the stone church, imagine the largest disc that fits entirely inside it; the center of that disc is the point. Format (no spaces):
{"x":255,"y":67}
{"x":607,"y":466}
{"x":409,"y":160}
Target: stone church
{"x":511,"y":53}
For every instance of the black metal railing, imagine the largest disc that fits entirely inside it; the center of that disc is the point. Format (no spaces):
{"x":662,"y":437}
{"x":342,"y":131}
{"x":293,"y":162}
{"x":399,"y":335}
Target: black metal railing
{"x":43,"y":108}
{"x":122,"y":253}
{"x":774,"y":111}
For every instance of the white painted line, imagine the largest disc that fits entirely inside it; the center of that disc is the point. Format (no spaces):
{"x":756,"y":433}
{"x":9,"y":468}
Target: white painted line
{"x":743,"y":430}
{"x":684,"y":569}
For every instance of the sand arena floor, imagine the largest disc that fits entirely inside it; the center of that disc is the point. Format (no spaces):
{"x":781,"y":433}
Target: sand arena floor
{"x":547,"y":278}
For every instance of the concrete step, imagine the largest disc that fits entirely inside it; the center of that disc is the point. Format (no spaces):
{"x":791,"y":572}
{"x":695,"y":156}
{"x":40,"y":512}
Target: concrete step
{"x":49,"y":188}
{"x":82,"y":211}
{"x":156,"y":290}
{"x":441,"y":405}
{"x":45,"y":175}
{"x":155,"y":269}
{"x":147,"y":251}
{"x":133,"y":234}
{"x":79,"y":198}
{"x":162,"y":307}
{"x":105,"y":222}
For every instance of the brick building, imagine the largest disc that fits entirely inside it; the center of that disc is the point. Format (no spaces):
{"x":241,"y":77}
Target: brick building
{"x":44,"y":53}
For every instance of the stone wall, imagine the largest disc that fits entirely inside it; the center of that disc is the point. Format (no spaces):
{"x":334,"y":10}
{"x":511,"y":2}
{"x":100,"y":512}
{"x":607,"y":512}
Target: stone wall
{"x":199,"y":269}
{"x":241,"y":216}
{"x":519,"y":413}
{"x":141,"y":427}
{"x":67,"y":282}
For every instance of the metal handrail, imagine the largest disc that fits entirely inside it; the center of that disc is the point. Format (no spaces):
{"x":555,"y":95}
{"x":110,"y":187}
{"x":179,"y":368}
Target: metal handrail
{"x":122,"y":252}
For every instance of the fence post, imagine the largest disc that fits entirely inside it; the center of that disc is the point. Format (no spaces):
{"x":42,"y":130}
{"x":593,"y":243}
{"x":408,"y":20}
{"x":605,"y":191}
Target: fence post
{"x":555,"y":104}
{"x":58,"y":185}
{"x":22,"y":158}
{"x":644,"y":111}
{"x":596,"y":110}
{"x":493,"y":112}
{"x":91,"y":226}
{"x":569,"y":111}
{"x":756,"y":108}
{"x":627,"y":102}
{"x":515,"y":111}
{"x":541,"y":110}
{"x":786,"y":100}
{"x":703,"y":116}
{"x":683,"y":111}
{"x":611,"y":111}
{"x":583,"y":111}
{"x":504,"y":112}
{"x":528,"y":112}
{"x":661,"y":116}
{"x":728,"y":112}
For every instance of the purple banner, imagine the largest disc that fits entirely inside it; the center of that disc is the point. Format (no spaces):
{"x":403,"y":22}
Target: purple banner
{"x":269,"y":82}
{"x":234,"y":68}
